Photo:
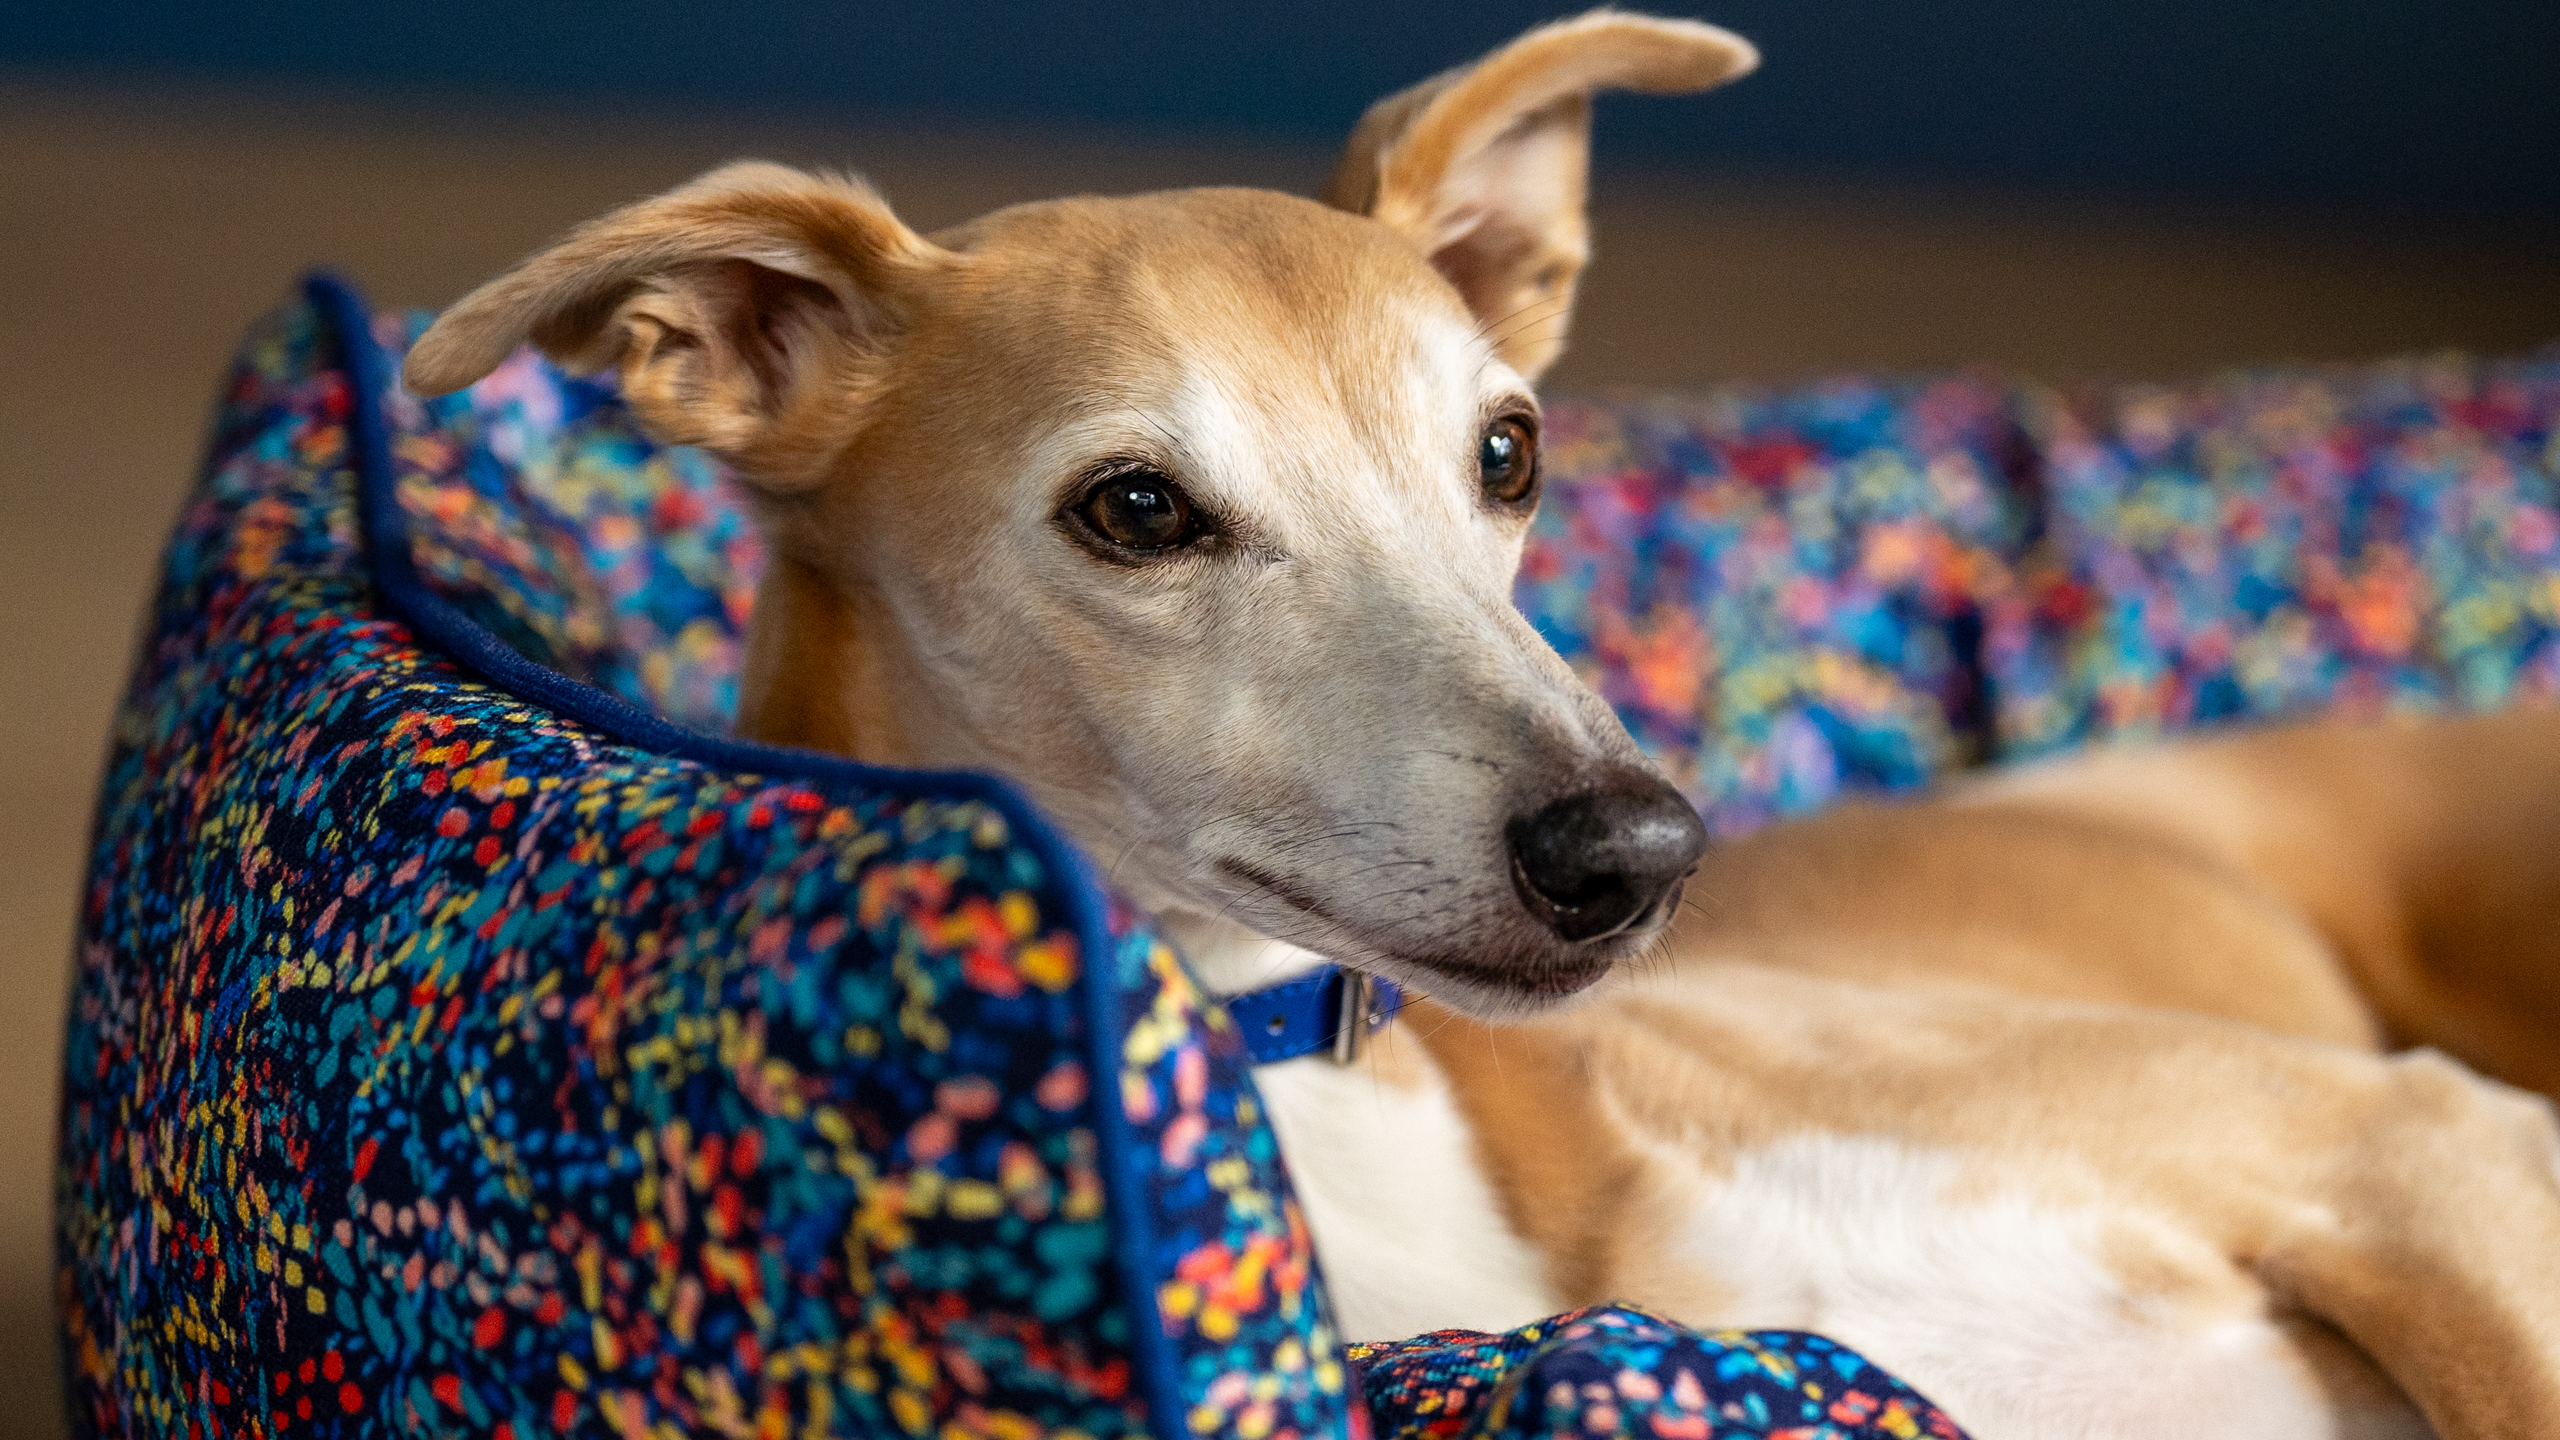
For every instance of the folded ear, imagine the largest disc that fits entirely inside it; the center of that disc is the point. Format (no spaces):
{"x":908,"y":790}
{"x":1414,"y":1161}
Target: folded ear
{"x":749,"y":313}
{"x":1484,"y":167}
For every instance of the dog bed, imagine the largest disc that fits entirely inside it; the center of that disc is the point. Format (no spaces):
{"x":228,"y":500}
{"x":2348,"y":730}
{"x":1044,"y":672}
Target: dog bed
{"x":466,"y":1037}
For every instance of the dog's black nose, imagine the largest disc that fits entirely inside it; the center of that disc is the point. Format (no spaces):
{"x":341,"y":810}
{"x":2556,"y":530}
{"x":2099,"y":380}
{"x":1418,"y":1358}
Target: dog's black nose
{"x":1592,"y":864}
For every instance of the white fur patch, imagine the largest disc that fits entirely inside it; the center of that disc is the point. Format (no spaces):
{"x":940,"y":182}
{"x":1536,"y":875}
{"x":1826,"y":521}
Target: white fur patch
{"x":1997,"y":1308}
{"x":1404,"y":1223}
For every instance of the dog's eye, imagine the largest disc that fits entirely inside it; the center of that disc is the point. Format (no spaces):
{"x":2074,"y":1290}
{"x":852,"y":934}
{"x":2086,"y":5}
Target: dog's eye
{"x":1140,"y":510}
{"x":1507,"y":461}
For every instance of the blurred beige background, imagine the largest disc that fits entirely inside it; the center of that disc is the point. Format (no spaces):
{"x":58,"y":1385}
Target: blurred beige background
{"x":139,"y":235}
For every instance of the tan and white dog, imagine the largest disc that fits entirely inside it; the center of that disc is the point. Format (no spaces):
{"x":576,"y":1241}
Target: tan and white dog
{"x":2066,"y":1095}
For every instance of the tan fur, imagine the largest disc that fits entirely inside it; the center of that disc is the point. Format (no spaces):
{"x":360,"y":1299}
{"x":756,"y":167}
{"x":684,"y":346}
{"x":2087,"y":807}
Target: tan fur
{"x":811,"y":677}
{"x":2402,"y":1202}
{"x":2427,"y":856}
{"x":2010,"y":972}
{"x":2146,"y":994}
{"x":668,"y":291}
{"x":1485,"y":167}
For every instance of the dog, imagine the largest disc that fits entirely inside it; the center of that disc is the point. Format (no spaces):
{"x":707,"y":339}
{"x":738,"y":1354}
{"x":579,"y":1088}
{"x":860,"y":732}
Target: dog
{"x":2095,"y":1100}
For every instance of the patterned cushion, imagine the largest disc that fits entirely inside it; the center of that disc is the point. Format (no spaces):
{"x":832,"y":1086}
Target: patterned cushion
{"x":1860,"y":585}
{"x":1615,"y":1370}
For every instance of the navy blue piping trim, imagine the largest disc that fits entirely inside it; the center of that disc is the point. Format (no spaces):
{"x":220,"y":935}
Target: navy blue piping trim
{"x":1301,"y":1016}
{"x":385,"y":529}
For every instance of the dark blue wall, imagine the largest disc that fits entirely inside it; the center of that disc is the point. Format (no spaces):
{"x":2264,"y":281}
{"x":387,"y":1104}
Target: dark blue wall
{"x":2388,"y":102}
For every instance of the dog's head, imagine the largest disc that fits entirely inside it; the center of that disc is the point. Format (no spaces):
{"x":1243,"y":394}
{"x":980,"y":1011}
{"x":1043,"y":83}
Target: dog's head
{"x":1196,"y":514}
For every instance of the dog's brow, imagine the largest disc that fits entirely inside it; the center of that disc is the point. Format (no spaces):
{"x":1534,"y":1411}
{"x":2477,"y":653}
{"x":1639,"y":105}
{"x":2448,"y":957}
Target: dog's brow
{"x":1171,"y":444}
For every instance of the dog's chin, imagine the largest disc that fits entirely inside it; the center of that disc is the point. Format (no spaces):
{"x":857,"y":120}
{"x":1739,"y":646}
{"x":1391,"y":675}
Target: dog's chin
{"x":1536,"y":980}
{"x":1523,"y":977}
{"x":1508,"y":966}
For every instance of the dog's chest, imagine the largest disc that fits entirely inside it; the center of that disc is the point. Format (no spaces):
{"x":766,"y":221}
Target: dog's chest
{"x":1406,"y":1226}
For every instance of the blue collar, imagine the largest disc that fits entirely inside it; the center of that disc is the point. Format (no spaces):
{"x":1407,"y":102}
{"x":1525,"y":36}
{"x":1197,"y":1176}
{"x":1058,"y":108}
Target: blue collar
{"x":1329,"y":1010}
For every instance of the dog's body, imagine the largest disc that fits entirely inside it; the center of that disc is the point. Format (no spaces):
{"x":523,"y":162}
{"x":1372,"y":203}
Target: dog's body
{"x":1960,"y":1084}
{"x":1196,"y":514}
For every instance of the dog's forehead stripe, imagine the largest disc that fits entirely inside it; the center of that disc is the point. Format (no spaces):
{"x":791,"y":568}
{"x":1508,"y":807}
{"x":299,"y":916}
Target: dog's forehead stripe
{"x":1394,"y":418}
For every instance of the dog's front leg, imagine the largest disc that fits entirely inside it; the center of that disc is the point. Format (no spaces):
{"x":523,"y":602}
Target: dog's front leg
{"x":1914,"y":1170}
{"x":2431,"y":1237}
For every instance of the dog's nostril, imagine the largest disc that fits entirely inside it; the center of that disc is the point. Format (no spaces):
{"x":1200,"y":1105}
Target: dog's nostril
{"x":1590,"y":865}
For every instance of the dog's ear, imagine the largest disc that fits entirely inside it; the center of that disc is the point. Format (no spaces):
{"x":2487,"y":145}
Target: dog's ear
{"x":749,"y":313}
{"x":1484,"y":167}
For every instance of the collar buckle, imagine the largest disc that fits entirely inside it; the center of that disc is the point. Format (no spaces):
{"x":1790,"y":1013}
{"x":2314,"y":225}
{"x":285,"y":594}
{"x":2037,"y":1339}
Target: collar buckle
{"x":1359,"y":1014}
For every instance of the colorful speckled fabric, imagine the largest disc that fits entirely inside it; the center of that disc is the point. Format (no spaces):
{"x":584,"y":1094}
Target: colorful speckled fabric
{"x":544,"y":513}
{"x":1614,"y":1370}
{"x":1860,"y":585}
{"x":1233,"y":1251}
